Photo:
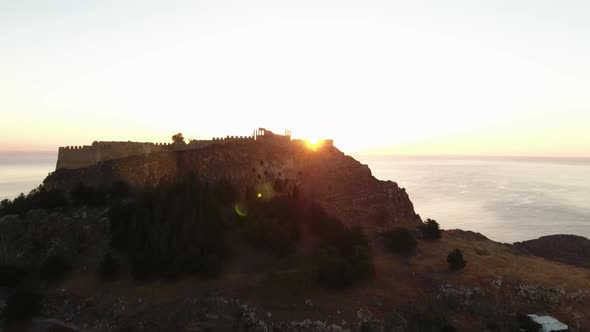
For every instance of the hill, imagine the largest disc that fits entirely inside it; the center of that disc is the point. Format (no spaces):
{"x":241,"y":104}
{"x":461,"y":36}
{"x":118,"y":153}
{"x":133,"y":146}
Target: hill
{"x":341,"y":184}
{"x":243,"y":236}
{"x":568,"y":249}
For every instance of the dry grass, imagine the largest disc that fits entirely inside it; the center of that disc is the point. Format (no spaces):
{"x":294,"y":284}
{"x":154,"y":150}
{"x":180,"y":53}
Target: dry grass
{"x":398,"y":281}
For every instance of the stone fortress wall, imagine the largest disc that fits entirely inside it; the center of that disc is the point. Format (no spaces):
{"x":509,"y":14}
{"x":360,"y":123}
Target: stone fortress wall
{"x":73,"y":157}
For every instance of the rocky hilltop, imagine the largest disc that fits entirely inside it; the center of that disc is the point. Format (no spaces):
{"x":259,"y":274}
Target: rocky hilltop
{"x":344,"y":186}
{"x":183,"y":257}
{"x":568,"y":249}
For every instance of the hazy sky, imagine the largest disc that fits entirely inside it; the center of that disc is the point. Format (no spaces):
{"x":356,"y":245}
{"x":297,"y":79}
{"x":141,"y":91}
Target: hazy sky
{"x":418,"y":77}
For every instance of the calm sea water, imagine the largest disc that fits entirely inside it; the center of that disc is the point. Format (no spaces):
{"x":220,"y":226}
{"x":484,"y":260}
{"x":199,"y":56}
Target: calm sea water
{"x":23,"y":171}
{"x":506,"y":200}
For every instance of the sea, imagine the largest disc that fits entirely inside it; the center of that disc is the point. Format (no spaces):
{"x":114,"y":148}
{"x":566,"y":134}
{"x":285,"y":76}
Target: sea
{"x":506,"y":199}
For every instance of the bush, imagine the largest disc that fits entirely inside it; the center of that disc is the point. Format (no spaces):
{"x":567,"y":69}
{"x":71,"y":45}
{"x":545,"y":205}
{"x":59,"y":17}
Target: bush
{"x":400,"y":240}
{"x":12,"y":274}
{"x":430,"y":230}
{"x":38,"y":198}
{"x":271,"y":225}
{"x":173,"y":229}
{"x":54,"y":268}
{"x":455,"y":259}
{"x":108,"y":268}
{"x":337,"y":271}
{"x":23,"y":303}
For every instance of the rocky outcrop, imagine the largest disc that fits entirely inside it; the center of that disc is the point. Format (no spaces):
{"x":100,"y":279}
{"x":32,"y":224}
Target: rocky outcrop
{"x":568,"y":249}
{"x":341,"y":184}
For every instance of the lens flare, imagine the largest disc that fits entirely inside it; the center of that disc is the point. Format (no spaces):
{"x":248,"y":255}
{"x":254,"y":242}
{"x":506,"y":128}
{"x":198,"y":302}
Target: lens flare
{"x":241,"y":209}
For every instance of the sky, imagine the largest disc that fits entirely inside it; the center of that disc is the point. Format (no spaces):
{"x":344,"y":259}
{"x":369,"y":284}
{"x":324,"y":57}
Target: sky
{"x":508,"y":78}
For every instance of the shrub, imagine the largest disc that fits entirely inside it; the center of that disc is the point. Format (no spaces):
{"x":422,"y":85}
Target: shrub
{"x":108,"y":268}
{"x":400,"y":240}
{"x":339,"y":268}
{"x":38,"y":198}
{"x":173,"y":229}
{"x":271,"y":225}
{"x":455,"y":259}
{"x":54,"y":268}
{"x":23,"y":303}
{"x":430,"y":230}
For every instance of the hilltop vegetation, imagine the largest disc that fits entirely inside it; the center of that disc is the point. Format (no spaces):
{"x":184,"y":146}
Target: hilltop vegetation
{"x":321,"y":239}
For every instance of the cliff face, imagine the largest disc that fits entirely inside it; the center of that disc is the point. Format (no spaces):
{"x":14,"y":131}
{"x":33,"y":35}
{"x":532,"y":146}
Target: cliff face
{"x":341,"y":184}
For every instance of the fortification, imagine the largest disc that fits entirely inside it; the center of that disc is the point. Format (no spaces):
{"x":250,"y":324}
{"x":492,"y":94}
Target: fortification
{"x":74,"y":157}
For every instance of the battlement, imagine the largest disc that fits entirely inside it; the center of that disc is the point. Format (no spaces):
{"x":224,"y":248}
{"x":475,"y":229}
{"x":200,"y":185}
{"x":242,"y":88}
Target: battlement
{"x":234,"y":138}
{"x":73,"y":157}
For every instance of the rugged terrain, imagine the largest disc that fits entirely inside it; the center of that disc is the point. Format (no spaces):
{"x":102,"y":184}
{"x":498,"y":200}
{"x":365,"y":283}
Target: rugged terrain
{"x":341,"y":184}
{"x":262,"y":292}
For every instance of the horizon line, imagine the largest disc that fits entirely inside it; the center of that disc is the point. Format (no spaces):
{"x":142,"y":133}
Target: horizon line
{"x":390,"y":154}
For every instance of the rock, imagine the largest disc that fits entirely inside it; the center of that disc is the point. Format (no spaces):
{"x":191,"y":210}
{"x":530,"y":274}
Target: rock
{"x":364,"y":315}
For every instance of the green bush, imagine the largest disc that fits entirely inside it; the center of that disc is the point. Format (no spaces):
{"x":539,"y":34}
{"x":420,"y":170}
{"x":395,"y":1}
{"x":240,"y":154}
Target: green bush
{"x":23,"y":303}
{"x":108,"y":268}
{"x":174,"y":229}
{"x":54,"y":268}
{"x":455,"y":259}
{"x":400,"y":240}
{"x":430,"y":230}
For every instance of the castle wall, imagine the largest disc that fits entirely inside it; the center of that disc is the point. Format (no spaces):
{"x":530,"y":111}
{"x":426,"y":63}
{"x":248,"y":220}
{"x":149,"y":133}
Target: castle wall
{"x":73,"y":157}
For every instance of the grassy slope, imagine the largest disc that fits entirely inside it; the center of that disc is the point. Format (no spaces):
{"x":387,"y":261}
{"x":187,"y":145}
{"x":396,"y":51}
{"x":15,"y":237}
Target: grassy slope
{"x":398,"y":281}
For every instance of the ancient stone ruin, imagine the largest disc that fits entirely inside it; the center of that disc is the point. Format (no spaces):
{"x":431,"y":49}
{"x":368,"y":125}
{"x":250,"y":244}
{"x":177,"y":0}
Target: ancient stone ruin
{"x":74,"y":157}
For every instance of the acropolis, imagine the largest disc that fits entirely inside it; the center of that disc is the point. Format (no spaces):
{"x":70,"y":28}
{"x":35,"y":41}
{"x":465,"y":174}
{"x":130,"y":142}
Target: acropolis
{"x":73,"y":157}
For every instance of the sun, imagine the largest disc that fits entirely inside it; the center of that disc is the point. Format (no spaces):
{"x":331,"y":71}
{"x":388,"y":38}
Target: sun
{"x":312,"y":143}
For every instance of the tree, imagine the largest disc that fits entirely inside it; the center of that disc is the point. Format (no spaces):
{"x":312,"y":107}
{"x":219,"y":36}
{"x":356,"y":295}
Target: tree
{"x":455,"y":259}
{"x":178,"y":139}
{"x":400,"y":240}
{"x":430,"y":230}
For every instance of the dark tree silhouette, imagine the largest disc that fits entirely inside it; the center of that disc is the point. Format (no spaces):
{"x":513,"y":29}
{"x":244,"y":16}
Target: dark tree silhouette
{"x":430,"y":230}
{"x":455,"y":259}
{"x":178,"y":139}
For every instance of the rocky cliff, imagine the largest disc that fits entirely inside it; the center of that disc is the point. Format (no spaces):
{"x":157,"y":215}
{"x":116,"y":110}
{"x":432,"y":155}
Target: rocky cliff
{"x":341,"y":184}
